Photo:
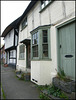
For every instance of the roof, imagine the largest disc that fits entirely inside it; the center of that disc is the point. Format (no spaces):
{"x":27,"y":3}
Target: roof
{"x":29,"y":7}
{"x":10,"y":27}
{"x":18,"y":20}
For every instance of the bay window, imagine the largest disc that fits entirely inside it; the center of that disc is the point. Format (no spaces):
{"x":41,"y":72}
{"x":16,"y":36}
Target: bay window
{"x":40,"y":44}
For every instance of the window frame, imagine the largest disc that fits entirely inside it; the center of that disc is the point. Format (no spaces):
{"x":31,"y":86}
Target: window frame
{"x":45,"y":5}
{"x":40,"y":41}
{"x":32,"y":45}
{"x":44,"y":44}
{"x":24,"y":21}
{"x":23,"y":58}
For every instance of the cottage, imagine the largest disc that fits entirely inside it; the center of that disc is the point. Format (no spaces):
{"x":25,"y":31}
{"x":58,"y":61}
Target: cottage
{"x":10,"y":35}
{"x":2,"y":52}
{"x":46,"y":40}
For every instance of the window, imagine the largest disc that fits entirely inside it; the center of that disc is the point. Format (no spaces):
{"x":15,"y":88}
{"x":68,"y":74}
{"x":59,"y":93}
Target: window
{"x":40,"y":47}
{"x":35,"y":44}
{"x":24,"y":23}
{"x":44,"y":3}
{"x":11,"y":54}
{"x":45,"y":43}
{"x":22,"y":51}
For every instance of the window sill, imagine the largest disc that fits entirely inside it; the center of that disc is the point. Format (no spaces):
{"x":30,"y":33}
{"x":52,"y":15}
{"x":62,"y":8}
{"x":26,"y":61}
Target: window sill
{"x":45,"y":6}
{"x":21,"y":59}
{"x":24,"y":28}
{"x":41,"y":59}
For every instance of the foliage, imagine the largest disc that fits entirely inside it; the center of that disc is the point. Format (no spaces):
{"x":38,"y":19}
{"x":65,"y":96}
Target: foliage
{"x":56,"y":92}
{"x":61,"y":74}
{"x":42,"y":87}
{"x":22,"y":76}
{"x":42,"y":96}
{"x":4,"y":97}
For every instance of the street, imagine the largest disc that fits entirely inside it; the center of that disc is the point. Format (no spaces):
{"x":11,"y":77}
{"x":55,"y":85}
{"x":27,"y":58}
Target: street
{"x":15,"y":88}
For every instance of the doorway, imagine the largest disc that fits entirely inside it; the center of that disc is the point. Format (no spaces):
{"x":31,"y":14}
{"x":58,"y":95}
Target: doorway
{"x":28,"y":61}
{"x":66,"y":46}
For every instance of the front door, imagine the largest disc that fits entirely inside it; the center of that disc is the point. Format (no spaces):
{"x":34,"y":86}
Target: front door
{"x":67,"y":49}
{"x":28,"y":57}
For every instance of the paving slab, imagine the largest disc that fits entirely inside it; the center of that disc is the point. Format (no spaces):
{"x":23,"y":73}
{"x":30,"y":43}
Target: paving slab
{"x":15,"y":88}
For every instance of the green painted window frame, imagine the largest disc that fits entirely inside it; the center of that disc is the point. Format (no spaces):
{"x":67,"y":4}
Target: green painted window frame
{"x":40,"y":51}
{"x":20,"y":47}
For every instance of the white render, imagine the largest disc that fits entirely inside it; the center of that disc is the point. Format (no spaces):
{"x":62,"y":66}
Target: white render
{"x":9,"y":39}
{"x":56,"y":13}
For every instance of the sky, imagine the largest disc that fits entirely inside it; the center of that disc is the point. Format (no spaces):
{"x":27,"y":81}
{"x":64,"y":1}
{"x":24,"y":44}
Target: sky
{"x":11,"y":10}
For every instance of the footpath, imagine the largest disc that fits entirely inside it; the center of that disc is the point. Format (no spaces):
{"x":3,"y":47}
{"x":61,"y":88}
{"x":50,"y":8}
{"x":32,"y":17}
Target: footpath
{"x":15,"y":88}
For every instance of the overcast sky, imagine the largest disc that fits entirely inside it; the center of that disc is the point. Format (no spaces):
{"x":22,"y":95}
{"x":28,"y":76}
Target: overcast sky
{"x":11,"y":10}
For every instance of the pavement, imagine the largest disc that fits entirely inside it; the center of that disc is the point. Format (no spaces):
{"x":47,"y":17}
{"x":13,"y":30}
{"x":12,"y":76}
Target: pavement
{"x":15,"y":88}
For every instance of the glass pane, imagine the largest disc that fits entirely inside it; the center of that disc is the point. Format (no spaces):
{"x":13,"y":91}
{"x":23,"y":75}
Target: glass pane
{"x":37,"y":35}
{"x":45,"y":40}
{"x":35,"y":51}
{"x":46,"y":2}
{"x":45,"y":53}
{"x":45,"y":47}
{"x":34,"y":54}
{"x":34,"y":41}
{"x":37,"y":40}
{"x":44,"y":33}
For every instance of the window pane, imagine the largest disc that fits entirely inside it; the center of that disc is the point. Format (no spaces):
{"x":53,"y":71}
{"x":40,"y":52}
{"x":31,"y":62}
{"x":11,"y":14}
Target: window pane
{"x":45,"y":40}
{"x":45,"y":47}
{"x":45,"y":53}
{"x":24,"y":23}
{"x":45,"y":50}
{"x":35,"y":51}
{"x":37,"y":35}
{"x":44,"y":33}
{"x":37,"y":40}
{"x":33,"y":39}
{"x":46,"y":2}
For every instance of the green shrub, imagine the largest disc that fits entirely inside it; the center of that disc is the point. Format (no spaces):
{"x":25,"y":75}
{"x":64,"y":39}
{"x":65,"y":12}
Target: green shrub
{"x":56,"y":92}
{"x":42,"y":96}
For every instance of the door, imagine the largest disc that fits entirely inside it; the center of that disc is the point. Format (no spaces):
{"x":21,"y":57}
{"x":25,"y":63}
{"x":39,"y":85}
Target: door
{"x":67,"y":49}
{"x":28,"y":57}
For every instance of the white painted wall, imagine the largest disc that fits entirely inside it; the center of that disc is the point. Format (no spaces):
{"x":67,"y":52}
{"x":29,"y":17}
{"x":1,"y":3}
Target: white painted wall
{"x":16,"y":39}
{"x":9,"y":39}
{"x":56,"y":13}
